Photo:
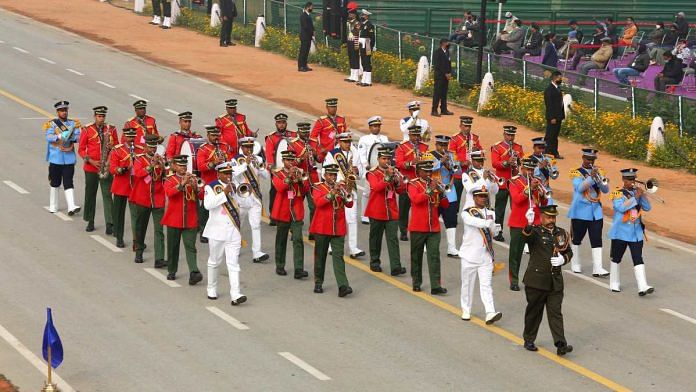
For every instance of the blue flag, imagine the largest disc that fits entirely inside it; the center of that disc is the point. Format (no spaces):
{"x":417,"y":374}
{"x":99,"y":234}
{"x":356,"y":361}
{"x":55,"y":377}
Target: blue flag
{"x":52,"y":340}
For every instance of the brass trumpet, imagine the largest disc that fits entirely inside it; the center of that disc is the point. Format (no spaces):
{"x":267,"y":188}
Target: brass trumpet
{"x":243,"y":190}
{"x":493,"y":178}
{"x":651,"y":186}
{"x":298,"y":175}
{"x":393,"y":175}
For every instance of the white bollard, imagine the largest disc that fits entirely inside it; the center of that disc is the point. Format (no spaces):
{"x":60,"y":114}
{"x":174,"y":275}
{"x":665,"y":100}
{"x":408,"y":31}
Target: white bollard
{"x":657,"y":135}
{"x":422,"y":72}
{"x":486,"y":91}
{"x":138,"y":6}
{"x":567,"y":104}
{"x":260,"y":30}
{"x":176,"y":11}
{"x":215,"y":16}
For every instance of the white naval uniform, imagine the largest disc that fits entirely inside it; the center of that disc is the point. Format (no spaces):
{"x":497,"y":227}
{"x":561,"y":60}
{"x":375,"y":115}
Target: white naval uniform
{"x":476,"y":259}
{"x":409,"y":121}
{"x":352,"y":212}
{"x":364,"y":145}
{"x":250,"y":207}
{"x":470,"y":185}
{"x":224,"y":241}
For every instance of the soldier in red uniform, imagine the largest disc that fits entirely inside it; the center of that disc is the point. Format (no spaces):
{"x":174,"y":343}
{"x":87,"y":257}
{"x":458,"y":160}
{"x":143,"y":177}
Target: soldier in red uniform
{"x":326,"y":128}
{"x":505,"y":157}
{"x":143,"y":124}
{"x":233,"y":125}
{"x":272,"y":141}
{"x":288,"y":212}
{"x":96,"y":141}
{"x":181,"y":217}
{"x":177,"y":138}
{"x":461,"y":145}
{"x":305,"y":148}
{"x":121,"y":167}
{"x":406,"y":155}
{"x":520,"y":203}
{"x":208,"y":156}
{"x":329,"y":229}
{"x":426,"y":198}
{"x":147,"y":198}
{"x":385,"y":184}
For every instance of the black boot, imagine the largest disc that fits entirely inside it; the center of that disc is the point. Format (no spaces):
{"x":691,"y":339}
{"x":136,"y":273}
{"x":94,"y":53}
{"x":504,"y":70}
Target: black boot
{"x":90,"y":227}
{"x":344,"y":290}
{"x":299,"y":274}
{"x":318,"y":289}
{"x":281,"y":271}
{"x":138,"y":259}
{"x":109,"y":229}
{"x":195,"y":277}
{"x":398,"y":271}
{"x":160,"y":263}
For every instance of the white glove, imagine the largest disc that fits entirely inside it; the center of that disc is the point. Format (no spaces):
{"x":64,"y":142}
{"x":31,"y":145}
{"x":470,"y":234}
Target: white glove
{"x":498,"y":229}
{"x":557,"y":261}
{"x":415,"y":114}
{"x":530,"y":216}
{"x":492,"y":226}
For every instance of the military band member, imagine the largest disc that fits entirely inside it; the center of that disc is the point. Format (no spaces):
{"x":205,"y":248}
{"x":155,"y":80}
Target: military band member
{"x":366,"y":39}
{"x":543,"y":280}
{"x":222,"y":231}
{"x":147,"y":199}
{"x":413,"y":118}
{"x":385,"y":185}
{"x":176,"y":139}
{"x":329,"y":228}
{"x":585,"y":213}
{"x":143,"y":123}
{"x":424,"y":225}
{"x":183,"y":190}
{"x":463,"y":143}
{"x":546,"y":168}
{"x":364,"y":146}
{"x":272,"y":140}
{"x":233,"y":125}
{"x":406,"y":155}
{"x":250,"y":207}
{"x":96,"y":141}
{"x":628,"y":230}
{"x":208,"y":157}
{"x":477,"y":255}
{"x":288,"y":213}
{"x":505,"y":158}
{"x":61,"y":134}
{"x":477,"y":177}
{"x":444,"y":170}
{"x":353,"y":45}
{"x":305,"y":148}
{"x":326,"y":128}
{"x":121,"y":168}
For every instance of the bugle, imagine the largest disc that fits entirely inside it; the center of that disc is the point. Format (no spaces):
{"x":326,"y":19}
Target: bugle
{"x":651,"y":185}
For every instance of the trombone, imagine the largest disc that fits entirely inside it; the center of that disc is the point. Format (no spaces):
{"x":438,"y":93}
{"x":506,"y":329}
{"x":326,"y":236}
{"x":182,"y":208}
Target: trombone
{"x":651,"y":185}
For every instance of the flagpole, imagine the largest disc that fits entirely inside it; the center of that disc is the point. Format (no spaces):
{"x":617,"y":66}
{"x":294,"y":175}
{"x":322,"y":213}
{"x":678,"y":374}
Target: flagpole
{"x":49,"y":387}
{"x":49,"y":365}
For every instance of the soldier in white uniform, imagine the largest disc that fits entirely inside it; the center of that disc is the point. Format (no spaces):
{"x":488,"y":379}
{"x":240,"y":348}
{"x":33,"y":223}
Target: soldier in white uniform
{"x":476,"y":254}
{"x":414,"y":119}
{"x":251,"y":206}
{"x":477,"y":177}
{"x":222,"y":230}
{"x":364,"y":146}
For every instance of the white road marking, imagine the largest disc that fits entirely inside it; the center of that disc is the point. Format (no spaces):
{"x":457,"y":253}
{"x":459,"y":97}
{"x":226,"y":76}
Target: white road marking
{"x":16,"y":187}
{"x":2,"y":42}
{"x":20,"y":49}
{"x":60,"y":215}
{"x":138,"y":97}
{"x":106,"y":243}
{"x":105,"y":84}
{"x":228,"y":89}
{"x":202,"y":80}
{"x":673,"y":245}
{"x":33,"y":359}
{"x":227,"y":318}
{"x":305,"y":366}
{"x":75,"y":72}
{"x":679,"y":315}
{"x":45,"y":60}
{"x":161,"y":277}
{"x":171,"y":111}
{"x":501,"y":244}
{"x":587,"y":278}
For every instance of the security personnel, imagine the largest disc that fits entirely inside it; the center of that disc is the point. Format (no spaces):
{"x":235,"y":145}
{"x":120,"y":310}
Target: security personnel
{"x":628,"y":230}
{"x":272,"y":141}
{"x":365,"y":144}
{"x":543,"y":280}
{"x":181,"y":218}
{"x":121,"y":168}
{"x":353,"y":45}
{"x":305,"y":148}
{"x":147,"y":198}
{"x":288,"y":213}
{"x":96,"y":141}
{"x":176,"y":139}
{"x":208,"y":156}
{"x":477,"y":177}
{"x":162,"y":8}
{"x":61,"y":134}
{"x":463,"y":143}
{"x":546,"y":168}
{"x":406,"y":155}
{"x":424,"y":225}
{"x":585,"y":213}
{"x":222,"y":231}
{"x":142,"y":122}
{"x":445,"y":168}
{"x":366,"y":39}
{"x":326,"y":128}
{"x":232,"y":125}
{"x":385,"y":184}
{"x":413,"y":118}
{"x":505,"y":158}
{"x":329,"y":229}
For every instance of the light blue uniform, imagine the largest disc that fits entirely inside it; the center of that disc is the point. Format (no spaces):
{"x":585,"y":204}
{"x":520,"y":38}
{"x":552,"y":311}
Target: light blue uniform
{"x":544,"y":174}
{"x":447,"y":178}
{"x":624,"y":202}
{"x":584,"y":189}
{"x":53,"y":153}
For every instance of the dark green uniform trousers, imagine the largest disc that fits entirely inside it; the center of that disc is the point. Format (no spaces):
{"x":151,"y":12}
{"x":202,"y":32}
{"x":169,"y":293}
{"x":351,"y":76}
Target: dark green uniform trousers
{"x":140,"y":220}
{"x":534,"y":313}
{"x":419,"y":241}
{"x":377,"y":229}
{"x":515,"y":255}
{"x":404,"y":208}
{"x":310,"y":205}
{"x":92,"y":184}
{"x":321,"y":249}
{"x":281,"y":244}
{"x":202,"y":217}
{"x":119,"y":211}
{"x":174,"y":237}
{"x":501,"y":201}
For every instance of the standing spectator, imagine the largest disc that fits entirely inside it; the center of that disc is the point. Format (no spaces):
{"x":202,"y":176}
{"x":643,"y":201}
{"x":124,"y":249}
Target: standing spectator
{"x":511,"y":40}
{"x":306,"y":36}
{"x":550,"y":58}
{"x":610,"y":29}
{"x":533,"y":45}
{"x":655,"y":37}
{"x":639,"y":64}
{"x":161,"y":8}
{"x":579,"y":35}
{"x":228,"y":11}
{"x":599,"y":59}
{"x":682,"y":25}
{"x":442,"y":67}
{"x":629,"y":32}
{"x":555,"y":114}
{"x":366,"y":40}
{"x":672,"y":73}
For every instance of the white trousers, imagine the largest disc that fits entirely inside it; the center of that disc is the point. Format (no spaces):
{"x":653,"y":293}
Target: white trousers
{"x":229,"y":251}
{"x":363,"y":202}
{"x":253,"y":212}
{"x":485,"y":275}
{"x":352,"y":222}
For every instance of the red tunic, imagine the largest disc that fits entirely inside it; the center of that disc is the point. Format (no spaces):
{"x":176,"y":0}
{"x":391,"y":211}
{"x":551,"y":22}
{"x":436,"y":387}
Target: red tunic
{"x":121,"y":157}
{"x":272,"y":141}
{"x":90,"y":144}
{"x":328,"y":219}
{"x":500,"y":152}
{"x":149,"y":128}
{"x":405,"y":152}
{"x":148,"y":186}
{"x":232,"y":129}
{"x":520,"y":203}
{"x":288,"y":196}
{"x":382,"y":203}
{"x":325,"y":131}
{"x":176,"y":139}
{"x":459,"y":146}
{"x":425,"y":217}
{"x":177,"y":207}
{"x":205,"y":159}
{"x":300,"y":148}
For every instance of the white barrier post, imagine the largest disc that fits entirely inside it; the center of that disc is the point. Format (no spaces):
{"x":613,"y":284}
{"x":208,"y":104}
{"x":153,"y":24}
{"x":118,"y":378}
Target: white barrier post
{"x":657,"y":136}
{"x":215,"y":16}
{"x":486,"y":91}
{"x":422,"y":72}
{"x":260,"y":30}
{"x":176,"y":11}
{"x":138,"y":6}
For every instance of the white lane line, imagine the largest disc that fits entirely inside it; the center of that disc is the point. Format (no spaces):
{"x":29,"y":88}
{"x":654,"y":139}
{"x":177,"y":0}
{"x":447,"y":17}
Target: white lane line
{"x":16,"y":187}
{"x":75,"y":72}
{"x":679,"y":315}
{"x":202,"y":80}
{"x":60,"y":215}
{"x":106,"y":243}
{"x":33,"y":359}
{"x":501,"y":244}
{"x":673,"y":245}
{"x":2,"y":42}
{"x":587,"y":278}
{"x":305,"y":366}
{"x":161,"y":277}
{"x":227,"y":318}
{"x":105,"y":84}
{"x":45,"y":60}
{"x":138,"y":97}
{"x":20,"y":49}
{"x":171,"y":111}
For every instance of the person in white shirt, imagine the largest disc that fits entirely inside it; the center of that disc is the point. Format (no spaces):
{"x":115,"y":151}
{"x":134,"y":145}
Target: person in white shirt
{"x":476,"y":254}
{"x":364,"y":147}
{"x":414,"y":119}
{"x":477,"y":177}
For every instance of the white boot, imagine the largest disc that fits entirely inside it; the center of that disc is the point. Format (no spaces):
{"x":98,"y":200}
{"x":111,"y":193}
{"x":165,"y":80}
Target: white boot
{"x":614,"y":278}
{"x":167,"y":22}
{"x":53,"y":200}
{"x":597,"y":268}
{"x":367,"y":79}
{"x":70,"y":199}
{"x":235,"y":292}
{"x":452,"y":242}
{"x":156,"y":20}
{"x":575,"y":263}
{"x":355,"y":75}
{"x":643,"y":288}
{"x":212,"y":282}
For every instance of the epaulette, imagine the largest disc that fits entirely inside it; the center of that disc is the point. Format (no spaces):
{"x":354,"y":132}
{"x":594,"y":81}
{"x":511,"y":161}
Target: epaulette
{"x":514,"y":178}
{"x":374,"y":168}
{"x":47,"y":125}
{"x":323,"y":117}
{"x":405,"y":141}
{"x":118,"y":145}
{"x":222,"y":115}
{"x":280,"y":169}
{"x":616,"y":194}
{"x":131,"y":119}
{"x":575,"y":173}
{"x":139,"y":155}
{"x":77,"y":123}
{"x":293,"y":140}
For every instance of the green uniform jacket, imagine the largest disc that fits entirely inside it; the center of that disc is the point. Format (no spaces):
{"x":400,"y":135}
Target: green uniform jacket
{"x":540,"y":274}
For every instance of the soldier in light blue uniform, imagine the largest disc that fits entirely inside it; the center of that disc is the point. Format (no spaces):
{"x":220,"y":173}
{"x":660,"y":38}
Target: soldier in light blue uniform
{"x":445,"y":168}
{"x":627,"y":231}
{"x":61,"y":135}
{"x":544,"y":170}
{"x":585,"y":212}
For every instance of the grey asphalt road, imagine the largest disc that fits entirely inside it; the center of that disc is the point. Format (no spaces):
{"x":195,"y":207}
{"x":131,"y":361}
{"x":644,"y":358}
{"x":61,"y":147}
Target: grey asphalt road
{"x":125,"y":330}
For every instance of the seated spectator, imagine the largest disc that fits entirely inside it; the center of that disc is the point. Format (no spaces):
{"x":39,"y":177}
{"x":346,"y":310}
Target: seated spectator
{"x":682,"y":51}
{"x":682,"y":25}
{"x":510,"y":41}
{"x":597,"y":37}
{"x":599,"y":59}
{"x":609,"y":28}
{"x":568,"y":50}
{"x":533,"y":45}
{"x":672,"y":73}
{"x":550,"y":58}
{"x":668,"y":43}
{"x":509,"y":22}
{"x":578,"y":33}
{"x":466,"y":32}
{"x":639,"y":64}
{"x":655,"y":37}
{"x":629,"y":32}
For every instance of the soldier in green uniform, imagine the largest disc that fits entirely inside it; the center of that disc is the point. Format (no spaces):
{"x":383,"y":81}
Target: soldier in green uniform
{"x":543,"y":281}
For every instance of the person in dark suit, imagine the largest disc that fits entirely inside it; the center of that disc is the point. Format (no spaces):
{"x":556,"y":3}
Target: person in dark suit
{"x":306,"y":36}
{"x":442,"y":67}
{"x":228,"y":11}
{"x":555,"y":113}
{"x":550,"y":58}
